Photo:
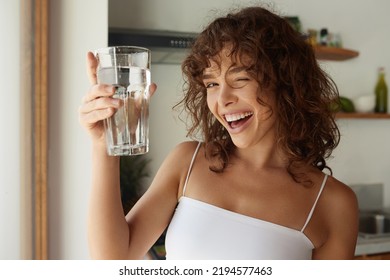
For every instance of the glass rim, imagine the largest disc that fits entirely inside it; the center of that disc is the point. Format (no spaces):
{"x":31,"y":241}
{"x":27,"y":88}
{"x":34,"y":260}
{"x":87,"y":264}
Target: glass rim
{"x":121,"y":50}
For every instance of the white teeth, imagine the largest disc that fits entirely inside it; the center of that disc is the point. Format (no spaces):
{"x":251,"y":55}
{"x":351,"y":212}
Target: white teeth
{"x":236,"y":117}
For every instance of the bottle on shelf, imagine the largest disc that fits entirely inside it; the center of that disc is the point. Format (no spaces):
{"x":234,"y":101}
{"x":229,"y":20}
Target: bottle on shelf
{"x":381,"y":92}
{"x":324,"y":37}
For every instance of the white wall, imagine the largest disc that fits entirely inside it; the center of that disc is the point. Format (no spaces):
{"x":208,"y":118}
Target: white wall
{"x":9,"y":139}
{"x":363,"y":155}
{"x":75,"y":27}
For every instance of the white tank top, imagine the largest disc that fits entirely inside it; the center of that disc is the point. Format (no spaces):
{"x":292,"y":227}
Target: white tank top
{"x":202,"y":231}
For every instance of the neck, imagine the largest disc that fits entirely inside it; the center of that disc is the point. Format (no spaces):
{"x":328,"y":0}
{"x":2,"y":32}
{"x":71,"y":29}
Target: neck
{"x":261,"y":156}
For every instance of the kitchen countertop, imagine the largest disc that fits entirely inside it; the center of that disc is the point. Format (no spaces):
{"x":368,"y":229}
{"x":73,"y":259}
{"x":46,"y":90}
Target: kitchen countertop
{"x":368,"y":246}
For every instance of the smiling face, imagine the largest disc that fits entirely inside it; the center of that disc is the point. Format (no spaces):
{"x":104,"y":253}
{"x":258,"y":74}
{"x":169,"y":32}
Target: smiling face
{"x":233,"y":96}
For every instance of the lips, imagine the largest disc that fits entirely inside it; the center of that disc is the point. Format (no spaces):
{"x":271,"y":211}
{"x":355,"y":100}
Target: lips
{"x":237,"y":119}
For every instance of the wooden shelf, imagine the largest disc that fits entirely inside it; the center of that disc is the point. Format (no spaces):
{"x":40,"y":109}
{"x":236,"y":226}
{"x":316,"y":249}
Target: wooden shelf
{"x":335,"y":54}
{"x":362,"y":116}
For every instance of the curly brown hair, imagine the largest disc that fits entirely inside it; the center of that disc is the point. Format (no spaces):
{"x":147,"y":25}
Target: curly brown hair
{"x":281,"y":61}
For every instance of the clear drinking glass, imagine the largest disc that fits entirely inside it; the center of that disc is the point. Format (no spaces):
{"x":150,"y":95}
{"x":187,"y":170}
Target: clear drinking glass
{"x":127,"y":68}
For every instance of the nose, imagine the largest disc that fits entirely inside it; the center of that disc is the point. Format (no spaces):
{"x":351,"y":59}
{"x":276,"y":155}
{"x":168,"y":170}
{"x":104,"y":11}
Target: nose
{"x":227,"y":95}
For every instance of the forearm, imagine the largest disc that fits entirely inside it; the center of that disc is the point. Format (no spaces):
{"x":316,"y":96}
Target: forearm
{"x":107,"y":227}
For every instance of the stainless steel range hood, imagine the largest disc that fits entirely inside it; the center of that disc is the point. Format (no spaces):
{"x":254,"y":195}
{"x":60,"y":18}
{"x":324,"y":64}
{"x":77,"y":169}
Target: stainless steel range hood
{"x":168,"y":47}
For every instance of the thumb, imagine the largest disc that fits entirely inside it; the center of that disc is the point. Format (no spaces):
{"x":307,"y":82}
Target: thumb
{"x":92,"y":64}
{"x":152,"y":89}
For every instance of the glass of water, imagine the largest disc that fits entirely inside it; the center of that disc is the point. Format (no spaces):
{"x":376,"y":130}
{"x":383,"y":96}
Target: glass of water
{"x":127,"y":68}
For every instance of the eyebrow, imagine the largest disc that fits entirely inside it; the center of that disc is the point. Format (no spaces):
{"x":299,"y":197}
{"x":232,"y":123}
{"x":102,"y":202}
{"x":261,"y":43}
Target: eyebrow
{"x":236,"y":69}
{"x":232,"y":70}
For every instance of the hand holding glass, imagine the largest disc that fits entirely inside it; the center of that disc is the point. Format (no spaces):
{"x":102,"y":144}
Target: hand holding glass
{"x":127,"y":68}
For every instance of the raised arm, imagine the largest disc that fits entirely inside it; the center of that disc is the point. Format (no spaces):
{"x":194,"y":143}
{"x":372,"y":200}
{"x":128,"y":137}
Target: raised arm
{"x":111,"y":234}
{"x":107,"y":227}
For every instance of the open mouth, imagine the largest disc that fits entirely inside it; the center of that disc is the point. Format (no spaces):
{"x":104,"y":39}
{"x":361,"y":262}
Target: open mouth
{"x":236,"y":120}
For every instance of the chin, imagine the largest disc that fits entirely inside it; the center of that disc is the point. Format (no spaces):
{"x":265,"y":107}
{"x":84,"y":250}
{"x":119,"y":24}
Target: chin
{"x":240,"y":144}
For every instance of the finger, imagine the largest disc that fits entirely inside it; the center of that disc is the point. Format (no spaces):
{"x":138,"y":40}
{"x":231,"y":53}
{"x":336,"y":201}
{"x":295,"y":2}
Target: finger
{"x":98,"y":91}
{"x":100,"y":104}
{"x":92,"y":64}
{"x":93,"y":117}
{"x":152,"y":89}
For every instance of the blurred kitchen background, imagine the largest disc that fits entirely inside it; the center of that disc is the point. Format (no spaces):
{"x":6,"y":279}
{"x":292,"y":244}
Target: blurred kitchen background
{"x":75,"y":27}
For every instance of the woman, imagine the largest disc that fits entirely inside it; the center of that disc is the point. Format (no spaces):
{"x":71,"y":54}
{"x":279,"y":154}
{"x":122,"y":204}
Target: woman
{"x":254,"y":188}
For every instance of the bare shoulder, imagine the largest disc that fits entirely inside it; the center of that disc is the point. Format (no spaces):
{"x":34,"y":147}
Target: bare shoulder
{"x":184,"y":149}
{"x":176,"y":164}
{"x":181,"y":154}
{"x":339,"y":197}
{"x":339,"y":221}
{"x":339,"y":202}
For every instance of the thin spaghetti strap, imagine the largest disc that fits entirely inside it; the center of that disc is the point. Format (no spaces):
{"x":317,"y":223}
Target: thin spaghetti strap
{"x":315,"y":203}
{"x":190,"y":167}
